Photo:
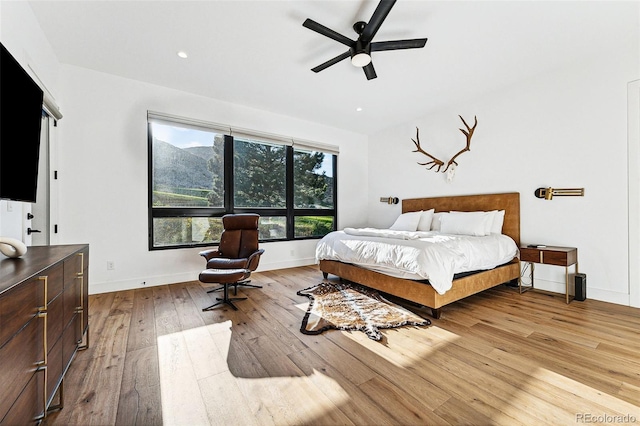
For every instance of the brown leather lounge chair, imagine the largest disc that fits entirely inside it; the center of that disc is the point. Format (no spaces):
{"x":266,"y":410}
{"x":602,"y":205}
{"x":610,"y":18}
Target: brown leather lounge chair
{"x":235,"y":258}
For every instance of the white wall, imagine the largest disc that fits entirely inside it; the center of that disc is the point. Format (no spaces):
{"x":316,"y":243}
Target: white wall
{"x":567,"y":128}
{"x":101,"y":156}
{"x":103,"y":176}
{"x":633,"y":114}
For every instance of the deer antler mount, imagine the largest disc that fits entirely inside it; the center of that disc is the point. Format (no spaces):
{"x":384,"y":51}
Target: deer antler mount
{"x":436,"y":164}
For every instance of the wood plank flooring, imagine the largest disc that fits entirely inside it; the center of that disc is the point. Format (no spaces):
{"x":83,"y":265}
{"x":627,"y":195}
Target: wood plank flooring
{"x":495,"y":358}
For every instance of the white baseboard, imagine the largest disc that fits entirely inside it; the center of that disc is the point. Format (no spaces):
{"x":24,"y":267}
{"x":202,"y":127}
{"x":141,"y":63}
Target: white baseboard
{"x":592,"y":293}
{"x":141,"y":282}
{"x":608,"y":296}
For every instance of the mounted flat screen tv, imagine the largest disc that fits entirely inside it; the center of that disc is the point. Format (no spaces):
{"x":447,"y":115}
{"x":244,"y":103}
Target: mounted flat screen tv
{"x":20,"y":121}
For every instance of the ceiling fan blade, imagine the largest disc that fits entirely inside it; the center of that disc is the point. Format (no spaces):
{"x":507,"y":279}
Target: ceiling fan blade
{"x":327,"y":32}
{"x":333,"y":61}
{"x":415,"y":43}
{"x":369,"y":71}
{"x":378,"y":17}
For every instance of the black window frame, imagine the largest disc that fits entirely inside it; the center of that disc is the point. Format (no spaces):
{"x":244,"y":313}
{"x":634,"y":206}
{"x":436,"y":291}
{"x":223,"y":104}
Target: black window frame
{"x":290,"y":213}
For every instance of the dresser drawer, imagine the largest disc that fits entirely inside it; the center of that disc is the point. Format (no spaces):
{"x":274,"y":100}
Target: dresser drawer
{"x":55,"y":284}
{"x":19,"y":359}
{"x":29,"y":406}
{"x":55,"y":320}
{"x":18,"y":306}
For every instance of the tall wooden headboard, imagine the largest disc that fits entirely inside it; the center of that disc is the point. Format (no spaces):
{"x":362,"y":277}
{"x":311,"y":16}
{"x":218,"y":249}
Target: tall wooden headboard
{"x":509,"y":202}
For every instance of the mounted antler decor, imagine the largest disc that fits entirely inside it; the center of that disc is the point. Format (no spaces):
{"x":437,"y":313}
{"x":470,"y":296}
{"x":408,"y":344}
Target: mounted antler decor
{"x":435,"y":162}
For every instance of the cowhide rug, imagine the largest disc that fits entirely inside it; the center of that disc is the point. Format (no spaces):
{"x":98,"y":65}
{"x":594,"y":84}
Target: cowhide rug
{"x":352,"y":307}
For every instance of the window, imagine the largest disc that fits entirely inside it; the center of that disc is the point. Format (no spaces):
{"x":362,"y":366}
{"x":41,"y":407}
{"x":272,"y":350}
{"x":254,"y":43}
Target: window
{"x":259,"y":175}
{"x":313,"y":193}
{"x":199,"y":172}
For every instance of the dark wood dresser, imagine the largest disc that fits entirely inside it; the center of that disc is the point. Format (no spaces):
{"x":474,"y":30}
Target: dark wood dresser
{"x":43,"y":322}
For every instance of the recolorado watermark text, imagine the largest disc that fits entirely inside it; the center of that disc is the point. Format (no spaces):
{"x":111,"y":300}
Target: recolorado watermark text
{"x":605,"y":418}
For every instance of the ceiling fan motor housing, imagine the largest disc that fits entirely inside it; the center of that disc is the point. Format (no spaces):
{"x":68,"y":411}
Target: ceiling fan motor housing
{"x":358,"y":27}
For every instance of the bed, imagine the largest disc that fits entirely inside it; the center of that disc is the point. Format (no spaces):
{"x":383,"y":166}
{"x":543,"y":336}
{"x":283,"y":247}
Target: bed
{"x":419,"y":291}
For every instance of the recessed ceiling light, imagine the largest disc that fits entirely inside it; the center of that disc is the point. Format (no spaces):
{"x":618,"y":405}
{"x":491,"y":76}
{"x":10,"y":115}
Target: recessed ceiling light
{"x":183,"y":54}
{"x":359,"y":109}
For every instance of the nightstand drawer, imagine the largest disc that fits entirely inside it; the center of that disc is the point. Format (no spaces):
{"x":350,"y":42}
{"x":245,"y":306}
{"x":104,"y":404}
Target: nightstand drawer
{"x":560,"y":256}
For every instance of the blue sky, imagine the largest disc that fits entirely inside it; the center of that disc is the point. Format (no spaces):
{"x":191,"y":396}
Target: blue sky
{"x":184,"y":137}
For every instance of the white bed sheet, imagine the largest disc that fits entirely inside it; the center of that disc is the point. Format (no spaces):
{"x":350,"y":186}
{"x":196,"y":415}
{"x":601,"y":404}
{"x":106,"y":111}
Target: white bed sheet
{"x":417,"y":255}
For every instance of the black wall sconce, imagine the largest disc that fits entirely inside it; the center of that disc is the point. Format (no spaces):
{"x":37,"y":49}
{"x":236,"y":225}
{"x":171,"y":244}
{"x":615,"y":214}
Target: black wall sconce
{"x":389,"y":200}
{"x":549,"y":193}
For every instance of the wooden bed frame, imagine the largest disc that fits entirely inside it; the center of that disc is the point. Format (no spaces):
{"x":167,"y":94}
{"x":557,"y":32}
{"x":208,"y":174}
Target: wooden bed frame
{"x":424,"y":294}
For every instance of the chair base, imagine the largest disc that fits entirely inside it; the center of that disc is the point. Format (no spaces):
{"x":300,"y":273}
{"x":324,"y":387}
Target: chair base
{"x":235,"y":287}
{"x":225,"y":299}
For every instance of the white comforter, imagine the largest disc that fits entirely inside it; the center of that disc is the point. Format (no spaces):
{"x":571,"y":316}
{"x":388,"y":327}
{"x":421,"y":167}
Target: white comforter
{"x":417,"y":255}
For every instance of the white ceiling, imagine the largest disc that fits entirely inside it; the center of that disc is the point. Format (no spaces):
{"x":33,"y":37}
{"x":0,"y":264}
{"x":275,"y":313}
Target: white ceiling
{"x":258,"y":54}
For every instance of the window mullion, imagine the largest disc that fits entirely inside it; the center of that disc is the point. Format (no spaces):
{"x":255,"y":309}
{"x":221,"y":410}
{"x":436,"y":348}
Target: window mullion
{"x":150,"y":185}
{"x":335,"y":192}
{"x":186,"y":212}
{"x":289,"y":193}
{"x":228,"y":174}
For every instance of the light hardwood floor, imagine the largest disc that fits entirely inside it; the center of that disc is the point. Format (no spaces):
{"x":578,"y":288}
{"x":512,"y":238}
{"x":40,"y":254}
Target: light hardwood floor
{"x":495,"y":358}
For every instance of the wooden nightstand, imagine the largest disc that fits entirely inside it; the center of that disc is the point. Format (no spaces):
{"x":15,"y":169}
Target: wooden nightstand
{"x":549,"y":255}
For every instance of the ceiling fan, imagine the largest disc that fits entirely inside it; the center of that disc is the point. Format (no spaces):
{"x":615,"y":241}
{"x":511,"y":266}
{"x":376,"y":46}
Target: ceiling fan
{"x":360,"y":49}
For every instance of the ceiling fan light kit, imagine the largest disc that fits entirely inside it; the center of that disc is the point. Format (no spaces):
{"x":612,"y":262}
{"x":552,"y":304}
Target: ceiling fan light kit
{"x":360,"y":60}
{"x":360,"y":49}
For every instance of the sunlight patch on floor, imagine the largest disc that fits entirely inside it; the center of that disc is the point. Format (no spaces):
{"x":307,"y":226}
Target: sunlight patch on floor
{"x":549,"y":387}
{"x":198,"y":387}
{"x":600,"y":402}
{"x":402,"y":347}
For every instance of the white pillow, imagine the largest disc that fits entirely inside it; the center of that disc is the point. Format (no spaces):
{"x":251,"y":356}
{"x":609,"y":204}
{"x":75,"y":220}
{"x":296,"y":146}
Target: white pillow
{"x":498,"y":221}
{"x":436,"y":220}
{"x":467,"y":223}
{"x":407,"y":221}
{"x":425,"y":220}
{"x":493,"y":224}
